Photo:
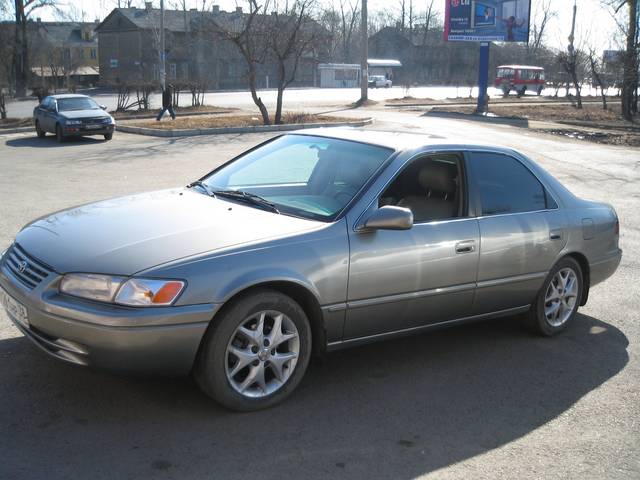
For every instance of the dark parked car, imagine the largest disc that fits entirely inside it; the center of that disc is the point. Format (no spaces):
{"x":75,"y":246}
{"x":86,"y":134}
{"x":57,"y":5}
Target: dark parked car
{"x":312,"y":241}
{"x":72,"y":115}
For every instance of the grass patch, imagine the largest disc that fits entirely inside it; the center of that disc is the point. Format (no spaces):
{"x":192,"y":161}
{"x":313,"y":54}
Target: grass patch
{"x":16,"y":122}
{"x":186,"y":123}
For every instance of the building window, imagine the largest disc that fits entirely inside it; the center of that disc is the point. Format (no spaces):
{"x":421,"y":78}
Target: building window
{"x":94,"y":53}
{"x":113,"y":63}
{"x":172,"y":71}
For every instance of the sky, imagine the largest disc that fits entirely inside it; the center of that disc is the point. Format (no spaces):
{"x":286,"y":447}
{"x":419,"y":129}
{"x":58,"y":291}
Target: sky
{"x":594,"y":26}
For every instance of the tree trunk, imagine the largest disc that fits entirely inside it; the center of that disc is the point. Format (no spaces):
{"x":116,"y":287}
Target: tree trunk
{"x":254,"y":95}
{"x":20,"y":54}
{"x":630,"y":76}
{"x":281,"y":87}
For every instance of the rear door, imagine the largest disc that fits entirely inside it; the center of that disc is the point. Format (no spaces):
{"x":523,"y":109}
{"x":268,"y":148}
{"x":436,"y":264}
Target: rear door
{"x":521,"y":231}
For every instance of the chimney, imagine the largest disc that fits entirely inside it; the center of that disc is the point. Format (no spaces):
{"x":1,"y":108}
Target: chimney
{"x":148,"y":6}
{"x":238,"y":9}
{"x":215,"y":9}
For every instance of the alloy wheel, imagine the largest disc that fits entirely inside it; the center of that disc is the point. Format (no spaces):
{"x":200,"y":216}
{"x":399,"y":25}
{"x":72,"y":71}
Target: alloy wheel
{"x":262,"y":354}
{"x":561,"y":297}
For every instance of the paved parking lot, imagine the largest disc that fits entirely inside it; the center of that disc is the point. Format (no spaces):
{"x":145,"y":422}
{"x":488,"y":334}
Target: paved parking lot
{"x":482,"y":401}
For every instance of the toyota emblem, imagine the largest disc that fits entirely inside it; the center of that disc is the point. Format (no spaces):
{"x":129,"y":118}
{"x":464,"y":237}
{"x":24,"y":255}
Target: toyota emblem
{"x":22,"y":266}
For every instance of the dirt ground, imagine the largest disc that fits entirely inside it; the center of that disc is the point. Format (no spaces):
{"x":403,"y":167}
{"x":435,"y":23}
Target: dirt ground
{"x":232,"y":121}
{"x":409,"y":100}
{"x":591,"y":123}
{"x":179,"y":110}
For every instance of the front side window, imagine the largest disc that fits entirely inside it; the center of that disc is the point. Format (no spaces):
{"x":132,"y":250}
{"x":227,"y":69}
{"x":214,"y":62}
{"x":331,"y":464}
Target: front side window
{"x":303,"y":175}
{"x":76,"y":103}
{"x":505,"y":185}
{"x":431,"y":187}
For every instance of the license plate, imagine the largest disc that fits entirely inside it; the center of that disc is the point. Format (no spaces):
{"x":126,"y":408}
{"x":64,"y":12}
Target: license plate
{"x":14,"y":308}
{"x":92,"y":127}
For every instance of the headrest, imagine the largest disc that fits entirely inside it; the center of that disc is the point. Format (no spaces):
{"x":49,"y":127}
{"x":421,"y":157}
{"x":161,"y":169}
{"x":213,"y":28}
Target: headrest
{"x":437,"y":176}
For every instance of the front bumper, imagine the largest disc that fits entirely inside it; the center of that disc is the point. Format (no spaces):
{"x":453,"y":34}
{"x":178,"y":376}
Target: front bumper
{"x":80,"y":130}
{"x":162,"y":340}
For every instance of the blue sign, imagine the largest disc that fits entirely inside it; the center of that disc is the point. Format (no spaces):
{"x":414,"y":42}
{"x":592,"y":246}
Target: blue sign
{"x":487,"y":20}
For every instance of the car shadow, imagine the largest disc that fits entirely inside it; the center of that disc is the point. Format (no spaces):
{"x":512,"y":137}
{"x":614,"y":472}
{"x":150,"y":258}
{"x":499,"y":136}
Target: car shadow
{"x":398,"y":409}
{"x":50,"y":141}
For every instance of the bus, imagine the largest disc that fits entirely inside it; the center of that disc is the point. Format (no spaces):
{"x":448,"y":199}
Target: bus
{"x":521,"y":78}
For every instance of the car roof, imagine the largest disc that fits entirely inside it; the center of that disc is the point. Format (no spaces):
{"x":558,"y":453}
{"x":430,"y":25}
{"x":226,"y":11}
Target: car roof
{"x":68,"y":95}
{"x":521,"y":67}
{"x":397,"y":141}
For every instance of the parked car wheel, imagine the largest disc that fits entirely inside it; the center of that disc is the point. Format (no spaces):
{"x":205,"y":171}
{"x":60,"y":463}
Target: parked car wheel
{"x":108,"y":136}
{"x":557,"y":302}
{"x":59,"y":134}
{"x":41,"y":133}
{"x":256,"y":351}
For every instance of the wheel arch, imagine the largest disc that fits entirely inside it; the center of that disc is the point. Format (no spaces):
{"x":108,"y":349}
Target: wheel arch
{"x":586,"y":280}
{"x":302,"y":295}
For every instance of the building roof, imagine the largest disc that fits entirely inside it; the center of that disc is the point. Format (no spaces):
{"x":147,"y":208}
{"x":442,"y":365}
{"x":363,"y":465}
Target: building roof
{"x":381,"y":62}
{"x":64,"y":33}
{"x":521,"y":67}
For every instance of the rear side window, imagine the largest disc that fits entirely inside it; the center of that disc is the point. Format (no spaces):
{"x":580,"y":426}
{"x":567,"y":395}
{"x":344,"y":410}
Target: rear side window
{"x":505,"y":185}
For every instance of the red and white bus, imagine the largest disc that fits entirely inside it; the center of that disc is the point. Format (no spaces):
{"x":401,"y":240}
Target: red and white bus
{"x":520,"y":78}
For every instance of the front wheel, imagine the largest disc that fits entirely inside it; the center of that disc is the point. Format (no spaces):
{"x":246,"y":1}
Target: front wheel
{"x":256,"y":351}
{"x":557,"y":302}
{"x":108,"y":136}
{"x":59,"y":134}
{"x":41,"y":133}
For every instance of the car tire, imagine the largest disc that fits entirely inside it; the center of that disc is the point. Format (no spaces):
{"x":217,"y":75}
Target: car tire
{"x":41,"y":133}
{"x":246,"y":326}
{"x":108,"y":136}
{"x":59,"y":134}
{"x":557,"y":302}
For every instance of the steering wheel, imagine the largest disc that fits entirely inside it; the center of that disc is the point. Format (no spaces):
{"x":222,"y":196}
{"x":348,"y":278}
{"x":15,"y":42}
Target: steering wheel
{"x":345,"y":194}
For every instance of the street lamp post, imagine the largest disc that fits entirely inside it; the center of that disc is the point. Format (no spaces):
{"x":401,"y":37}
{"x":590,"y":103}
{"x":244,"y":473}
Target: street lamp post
{"x":364,"y":65}
{"x":163,"y":53}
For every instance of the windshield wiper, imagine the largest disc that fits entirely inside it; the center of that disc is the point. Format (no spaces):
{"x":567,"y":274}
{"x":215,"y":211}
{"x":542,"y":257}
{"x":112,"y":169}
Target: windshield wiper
{"x":248,"y":197}
{"x":204,"y":186}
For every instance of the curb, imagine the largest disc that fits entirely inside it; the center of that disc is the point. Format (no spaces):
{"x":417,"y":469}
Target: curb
{"x":178,"y":114}
{"x":6,"y":131}
{"x":154,"y":132}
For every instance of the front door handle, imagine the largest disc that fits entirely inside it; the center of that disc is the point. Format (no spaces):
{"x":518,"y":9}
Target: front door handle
{"x":466,"y":246}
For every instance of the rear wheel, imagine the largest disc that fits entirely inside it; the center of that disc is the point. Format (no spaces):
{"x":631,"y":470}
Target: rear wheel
{"x":41,"y":133}
{"x":59,"y":134}
{"x":256,"y":351}
{"x":557,"y":302}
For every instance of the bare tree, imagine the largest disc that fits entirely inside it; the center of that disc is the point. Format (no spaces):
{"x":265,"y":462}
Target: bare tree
{"x":23,"y":10}
{"x":291,"y":34}
{"x":248,"y":35}
{"x":542,"y":15}
{"x":349,"y":18}
{"x":597,"y":77}
{"x":630,"y":65}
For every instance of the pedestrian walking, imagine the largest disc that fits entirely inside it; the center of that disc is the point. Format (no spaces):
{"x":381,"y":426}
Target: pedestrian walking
{"x":167,"y":102}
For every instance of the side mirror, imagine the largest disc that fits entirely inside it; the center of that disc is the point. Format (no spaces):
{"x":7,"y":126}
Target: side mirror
{"x":389,"y":218}
{"x":103,"y":107}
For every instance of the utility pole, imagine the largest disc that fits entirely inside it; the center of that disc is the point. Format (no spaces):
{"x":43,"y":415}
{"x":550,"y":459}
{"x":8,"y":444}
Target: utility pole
{"x":364,"y":60}
{"x":163,"y":53}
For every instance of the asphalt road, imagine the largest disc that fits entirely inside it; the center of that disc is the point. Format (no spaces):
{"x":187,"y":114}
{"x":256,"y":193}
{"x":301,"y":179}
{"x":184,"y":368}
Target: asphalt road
{"x":484,"y":401}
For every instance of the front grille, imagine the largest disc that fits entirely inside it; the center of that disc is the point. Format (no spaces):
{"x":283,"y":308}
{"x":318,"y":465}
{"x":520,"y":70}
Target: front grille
{"x":96,"y":120}
{"x":23,"y":267}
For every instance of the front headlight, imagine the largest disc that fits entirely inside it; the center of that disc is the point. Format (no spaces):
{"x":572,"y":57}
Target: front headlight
{"x":92,"y":286}
{"x":73,"y":122}
{"x":141,"y":292}
{"x":135,"y":292}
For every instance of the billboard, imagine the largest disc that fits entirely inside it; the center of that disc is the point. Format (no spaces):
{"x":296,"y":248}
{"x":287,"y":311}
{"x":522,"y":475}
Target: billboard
{"x":487,"y":20}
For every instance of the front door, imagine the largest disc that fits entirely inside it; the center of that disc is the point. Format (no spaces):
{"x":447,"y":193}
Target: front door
{"x":410,"y":278}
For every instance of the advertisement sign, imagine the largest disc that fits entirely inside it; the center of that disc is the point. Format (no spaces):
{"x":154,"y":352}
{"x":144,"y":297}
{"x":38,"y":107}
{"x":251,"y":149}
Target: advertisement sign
{"x":487,"y":20}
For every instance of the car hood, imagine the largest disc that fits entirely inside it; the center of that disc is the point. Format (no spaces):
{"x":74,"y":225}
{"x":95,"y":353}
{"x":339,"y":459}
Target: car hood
{"x":125,"y":235}
{"x":79,"y":114}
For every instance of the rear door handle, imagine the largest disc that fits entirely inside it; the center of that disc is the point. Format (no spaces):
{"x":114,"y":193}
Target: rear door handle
{"x":555,"y":234}
{"x":466,"y":246}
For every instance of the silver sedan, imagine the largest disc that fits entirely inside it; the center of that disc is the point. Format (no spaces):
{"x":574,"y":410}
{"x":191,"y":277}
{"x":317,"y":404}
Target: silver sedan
{"x":309,"y":242}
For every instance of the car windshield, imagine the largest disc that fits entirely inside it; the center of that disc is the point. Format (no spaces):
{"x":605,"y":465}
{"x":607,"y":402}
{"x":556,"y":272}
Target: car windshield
{"x":76,"y":103}
{"x":302,"y":175}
